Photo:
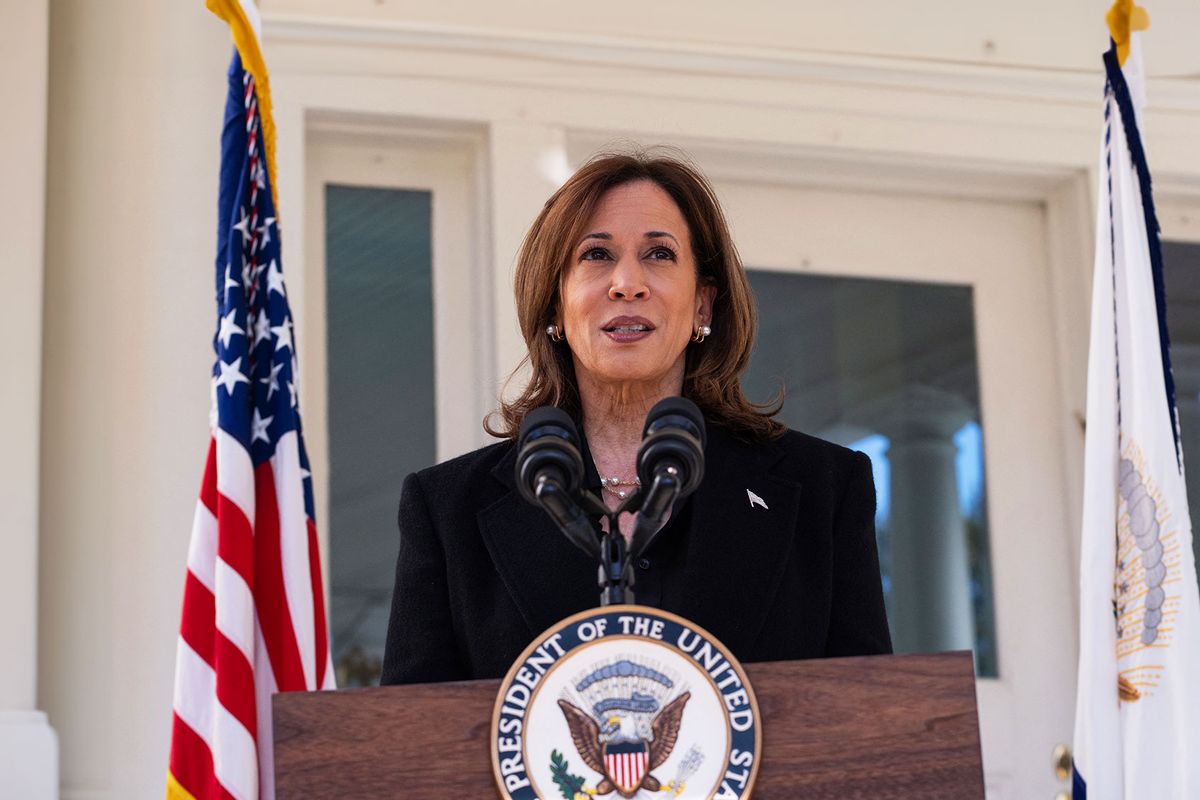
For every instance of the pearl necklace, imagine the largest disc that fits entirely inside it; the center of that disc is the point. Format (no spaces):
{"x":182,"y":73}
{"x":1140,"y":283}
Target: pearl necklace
{"x":611,"y":484}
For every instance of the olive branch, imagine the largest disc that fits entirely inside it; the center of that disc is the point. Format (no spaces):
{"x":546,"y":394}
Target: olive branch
{"x":570,"y":785}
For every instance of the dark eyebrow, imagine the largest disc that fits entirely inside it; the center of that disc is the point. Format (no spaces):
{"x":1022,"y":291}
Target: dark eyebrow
{"x":649,"y":235}
{"x":658,"y":234}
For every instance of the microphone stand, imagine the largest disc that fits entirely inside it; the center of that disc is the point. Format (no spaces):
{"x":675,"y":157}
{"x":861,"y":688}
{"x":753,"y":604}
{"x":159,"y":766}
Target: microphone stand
{"x":616,"y":570}
{"x":616,"y":573}
{"x":616,"y":557}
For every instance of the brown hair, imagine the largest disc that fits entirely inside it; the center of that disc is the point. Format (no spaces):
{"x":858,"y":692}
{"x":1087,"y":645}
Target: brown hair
{"x":712,"y":368}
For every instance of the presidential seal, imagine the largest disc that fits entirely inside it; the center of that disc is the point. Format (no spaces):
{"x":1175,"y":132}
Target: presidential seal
{"x":625,"y":701}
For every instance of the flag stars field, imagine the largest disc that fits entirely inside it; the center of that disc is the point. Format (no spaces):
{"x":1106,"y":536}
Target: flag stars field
{"x":272,"y":380}
{"x":262,"y":328}
{"x":231,"y":375}
{"x":229,"y":328}
{"x":243,"y":226}
{"x":264,"y":231}
{"x":283,"y":335}
{"x":275,"y":279}
{"x":230,"y":283}
{"x":260,"y":426}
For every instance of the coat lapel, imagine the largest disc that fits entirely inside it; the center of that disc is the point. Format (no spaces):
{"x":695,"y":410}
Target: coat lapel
{"x":738,"y":549}
{"x":547,"y":576}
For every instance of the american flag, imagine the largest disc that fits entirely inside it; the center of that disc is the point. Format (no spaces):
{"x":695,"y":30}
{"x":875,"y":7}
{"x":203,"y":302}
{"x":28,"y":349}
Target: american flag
{"x":253,"y":620}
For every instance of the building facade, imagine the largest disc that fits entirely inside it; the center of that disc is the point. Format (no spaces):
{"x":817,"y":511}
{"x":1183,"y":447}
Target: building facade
{"x":913,"y":184}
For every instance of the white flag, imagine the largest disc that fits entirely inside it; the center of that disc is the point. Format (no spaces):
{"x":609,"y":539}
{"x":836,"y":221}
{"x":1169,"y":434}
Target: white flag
{"x":1137,"y":717}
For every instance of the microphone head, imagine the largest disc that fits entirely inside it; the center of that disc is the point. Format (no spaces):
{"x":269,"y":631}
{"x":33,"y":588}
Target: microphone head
{"x":677,"y":412}
{"x":548,"y":444}
{"x":542,"y":420}
{"x":674,"y":435}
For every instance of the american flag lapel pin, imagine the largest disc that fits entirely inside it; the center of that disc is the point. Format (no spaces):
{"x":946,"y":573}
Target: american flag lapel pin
{"x":755,"y":500}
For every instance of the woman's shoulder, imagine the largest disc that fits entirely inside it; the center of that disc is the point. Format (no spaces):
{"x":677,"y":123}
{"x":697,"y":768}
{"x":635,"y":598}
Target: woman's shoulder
{"x":467,"y":468}
{"x":795,"y":454}
{"x":806,"y":445}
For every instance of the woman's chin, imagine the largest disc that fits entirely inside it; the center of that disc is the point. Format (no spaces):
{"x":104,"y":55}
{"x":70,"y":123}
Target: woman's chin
{"x":622,"y":372}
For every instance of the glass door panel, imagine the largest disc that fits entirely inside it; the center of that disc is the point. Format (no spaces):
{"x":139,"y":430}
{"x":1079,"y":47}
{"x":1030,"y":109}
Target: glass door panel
{"x":381,"y":412}
{"x":889,"y":368}
{"x":1181,"y":277}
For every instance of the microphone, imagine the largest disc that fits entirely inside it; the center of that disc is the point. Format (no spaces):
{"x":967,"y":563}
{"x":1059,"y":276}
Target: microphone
{"x":549,"y":473}
{"x":670,"y":463}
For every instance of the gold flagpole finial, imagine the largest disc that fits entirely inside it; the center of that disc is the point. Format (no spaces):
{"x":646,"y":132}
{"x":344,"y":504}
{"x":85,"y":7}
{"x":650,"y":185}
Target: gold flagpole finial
{"x":1123,"y":19}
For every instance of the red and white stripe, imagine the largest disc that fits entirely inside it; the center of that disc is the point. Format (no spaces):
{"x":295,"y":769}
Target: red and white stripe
{"x":626,"y":769}
{"x":253,"y":620}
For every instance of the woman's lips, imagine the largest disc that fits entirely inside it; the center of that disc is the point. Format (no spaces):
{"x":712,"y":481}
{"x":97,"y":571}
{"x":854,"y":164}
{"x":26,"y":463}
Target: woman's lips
{"x":626,"y":329}
{"x":625,"y":337}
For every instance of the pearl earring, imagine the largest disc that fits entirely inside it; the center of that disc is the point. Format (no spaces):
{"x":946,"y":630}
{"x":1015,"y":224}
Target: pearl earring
{"x":701,"y":333}
{"x":554,"y":332}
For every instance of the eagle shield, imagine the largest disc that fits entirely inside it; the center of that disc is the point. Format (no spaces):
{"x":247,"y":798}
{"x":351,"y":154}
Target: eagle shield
{"x":626,"y":764}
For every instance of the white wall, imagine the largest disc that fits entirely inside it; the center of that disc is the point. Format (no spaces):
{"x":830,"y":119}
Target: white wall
{"x":27,"y":746}
{"x":136,"y":99}
{"x":1066,"y":34}
{"x":23,"y":49}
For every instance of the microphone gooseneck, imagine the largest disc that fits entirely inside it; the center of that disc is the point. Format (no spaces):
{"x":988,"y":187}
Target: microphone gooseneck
{"x":549,"y":473}
{"x":670,"y":464}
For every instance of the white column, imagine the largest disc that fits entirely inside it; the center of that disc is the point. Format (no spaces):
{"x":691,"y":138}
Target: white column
{"x":28,"y":745}
{"x":137,"y":94}
{"x":930,"y":589}
{"x":528,"y":162}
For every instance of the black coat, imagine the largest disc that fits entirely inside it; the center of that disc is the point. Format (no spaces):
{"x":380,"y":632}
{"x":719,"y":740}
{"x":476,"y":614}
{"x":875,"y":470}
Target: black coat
{"x":481,"y":572}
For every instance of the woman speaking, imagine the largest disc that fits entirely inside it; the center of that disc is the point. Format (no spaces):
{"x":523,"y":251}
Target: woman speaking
{"x":629,"y":289}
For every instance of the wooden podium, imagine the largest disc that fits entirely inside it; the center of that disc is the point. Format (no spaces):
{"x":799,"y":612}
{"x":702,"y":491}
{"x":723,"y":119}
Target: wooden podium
{"x":870,"y":727}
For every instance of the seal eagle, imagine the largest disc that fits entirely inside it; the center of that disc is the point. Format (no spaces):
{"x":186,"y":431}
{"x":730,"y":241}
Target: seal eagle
{"x":585,"y":733}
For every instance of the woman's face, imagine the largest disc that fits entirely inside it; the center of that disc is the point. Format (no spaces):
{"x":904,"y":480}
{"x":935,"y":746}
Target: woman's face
{"x":630,"y":294}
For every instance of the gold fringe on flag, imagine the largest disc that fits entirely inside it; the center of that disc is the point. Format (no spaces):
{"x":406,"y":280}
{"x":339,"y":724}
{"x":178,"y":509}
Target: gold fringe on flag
{"x":246,"y":41}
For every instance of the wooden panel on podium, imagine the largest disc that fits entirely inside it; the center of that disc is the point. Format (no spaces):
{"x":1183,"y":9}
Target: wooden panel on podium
{"x":879,"y":727}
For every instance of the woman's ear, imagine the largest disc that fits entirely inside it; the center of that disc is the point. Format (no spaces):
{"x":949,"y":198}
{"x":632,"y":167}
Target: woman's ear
{"x":706,"y":293}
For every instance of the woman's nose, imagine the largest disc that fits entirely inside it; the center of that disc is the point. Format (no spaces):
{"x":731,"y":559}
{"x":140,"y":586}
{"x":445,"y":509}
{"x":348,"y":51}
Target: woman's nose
{"x":628,"y":280}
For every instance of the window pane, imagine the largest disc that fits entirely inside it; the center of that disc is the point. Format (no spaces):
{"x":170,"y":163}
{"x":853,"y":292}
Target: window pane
{"x":1181,"y":277}
{"x":889,"y":368}
{"x":379,"y":300}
